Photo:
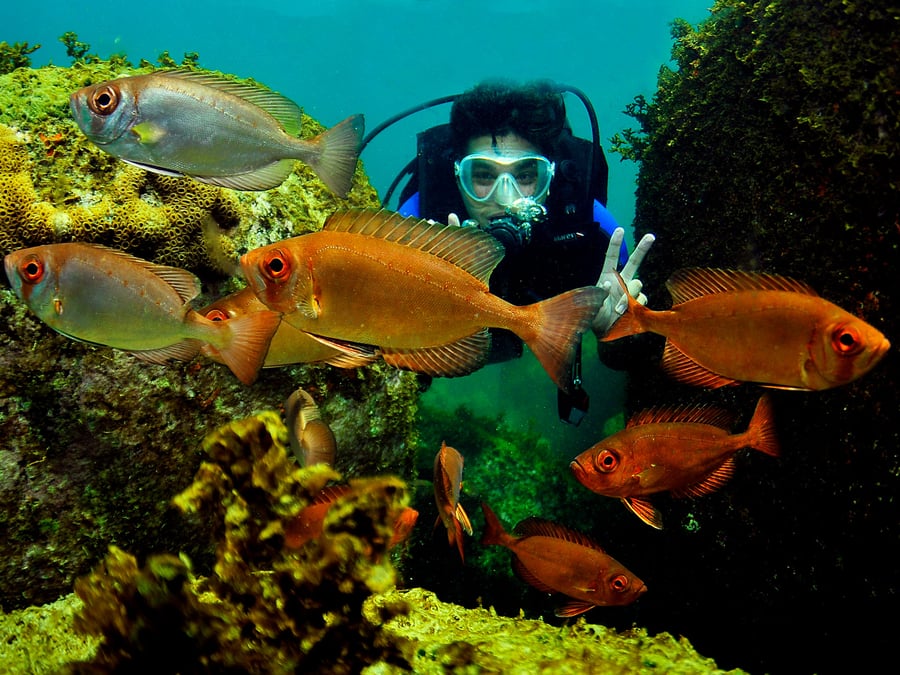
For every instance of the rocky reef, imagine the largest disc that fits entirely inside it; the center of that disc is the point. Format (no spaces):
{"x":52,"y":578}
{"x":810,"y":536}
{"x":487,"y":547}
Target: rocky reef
{"x":772,"y":145}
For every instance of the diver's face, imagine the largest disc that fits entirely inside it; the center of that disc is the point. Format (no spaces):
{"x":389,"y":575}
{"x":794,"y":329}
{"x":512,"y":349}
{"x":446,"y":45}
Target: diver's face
{"x":510,"y":145}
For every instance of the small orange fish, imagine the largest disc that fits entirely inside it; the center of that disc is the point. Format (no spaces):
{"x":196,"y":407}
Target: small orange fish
{"x":308,"y":523}
{"x":728,"y":327}
{"x":687,"y":451}
{"x":103,"y":296}
{"x":555,"y":559}
{"x":289,"y":345}
{"x":448,"y":468}
{"x":417,"y":290}
{"x":312,"y":440}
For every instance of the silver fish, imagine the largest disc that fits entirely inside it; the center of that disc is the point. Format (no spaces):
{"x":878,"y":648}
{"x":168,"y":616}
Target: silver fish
{"x":216,"y":130}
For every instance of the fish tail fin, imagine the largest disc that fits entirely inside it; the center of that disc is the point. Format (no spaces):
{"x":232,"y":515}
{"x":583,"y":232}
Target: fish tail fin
{"x":246,"y":341}
{"x":338,"y":150}
{"x":762,"y":428}
{"x":561,"y":321}
{"x":494,"y":532}
{"x":628,"y":323}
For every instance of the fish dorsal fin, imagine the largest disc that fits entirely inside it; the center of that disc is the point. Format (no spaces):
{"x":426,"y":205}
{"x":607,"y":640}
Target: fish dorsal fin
{"x":704,"y":414}
{"x":683,"y":368}
{"x":692,"y":283}
{"x":284,"y":110}
{"x":453,"y":360}
{"x":538,"y":527}
{"x":182,"y":282}
{"x":714,"y":481}
{"x":330,"y":493}
{"x":469,"y":248}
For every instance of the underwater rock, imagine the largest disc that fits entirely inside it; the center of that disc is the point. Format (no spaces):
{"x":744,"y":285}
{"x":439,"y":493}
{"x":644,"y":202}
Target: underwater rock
{"x":95,"y":442}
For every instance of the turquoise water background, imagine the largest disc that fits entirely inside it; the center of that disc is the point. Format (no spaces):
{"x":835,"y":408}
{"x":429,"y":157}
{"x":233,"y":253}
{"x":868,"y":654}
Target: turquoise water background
{"x":340,"y":57}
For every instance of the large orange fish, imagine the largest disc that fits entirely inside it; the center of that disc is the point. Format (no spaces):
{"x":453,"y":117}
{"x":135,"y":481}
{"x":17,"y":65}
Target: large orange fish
{"x":103,"y":296}
{"x":289,"y":345}
{"x":727,"y":327}
{"x":556,"y":559}
{"x":687,"y":451}
{"x":448,"y":468}
{"x":415,"y":289}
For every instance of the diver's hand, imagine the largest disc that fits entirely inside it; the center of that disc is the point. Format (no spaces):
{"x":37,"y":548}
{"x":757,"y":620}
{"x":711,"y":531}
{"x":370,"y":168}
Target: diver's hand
{"x":616,"y":303}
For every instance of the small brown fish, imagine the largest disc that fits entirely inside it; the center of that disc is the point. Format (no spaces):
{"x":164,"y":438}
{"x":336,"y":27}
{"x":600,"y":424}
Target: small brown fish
{"x":417,"y":290}
{"x":216,"y":130}
{"x":728,"y":327}
{"x":289,"y":345}
{"x":556,"y":559}
{"x":312,"y":440}
{"x":448,"y":468}
{"x":103,"y":296}
{"x":687,"y":451}
{"x":309,"y":522}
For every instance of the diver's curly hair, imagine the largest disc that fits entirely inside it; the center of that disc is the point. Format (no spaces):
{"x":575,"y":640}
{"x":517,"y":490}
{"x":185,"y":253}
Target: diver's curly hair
{"x":535,"y":111}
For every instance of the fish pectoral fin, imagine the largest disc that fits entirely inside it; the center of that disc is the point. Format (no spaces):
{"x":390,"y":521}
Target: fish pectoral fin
{"x":180,"y":351}
{"x":463,"y":519}
{"x":266,"y":178}
{"x":451,"y":360}
{"x":148,"y":133}
{"x":525,"y":575}
{"x":711,"y":483}
{"x":644,"y":510}
{"x":574,"y":608}
{"x":683,"y":368}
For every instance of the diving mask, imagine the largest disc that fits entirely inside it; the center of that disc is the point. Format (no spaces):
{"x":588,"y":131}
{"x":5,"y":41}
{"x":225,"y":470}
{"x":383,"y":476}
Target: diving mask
{"x":485,"y":177}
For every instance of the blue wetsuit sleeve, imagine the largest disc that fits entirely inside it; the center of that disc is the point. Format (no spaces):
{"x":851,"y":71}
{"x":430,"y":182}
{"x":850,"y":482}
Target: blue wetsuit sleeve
{"x":608,"y":224}
{"x":410,"y":207}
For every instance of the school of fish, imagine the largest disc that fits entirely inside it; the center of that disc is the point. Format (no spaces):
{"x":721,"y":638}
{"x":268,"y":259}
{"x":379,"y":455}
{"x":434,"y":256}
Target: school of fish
{"x":373,"y":285}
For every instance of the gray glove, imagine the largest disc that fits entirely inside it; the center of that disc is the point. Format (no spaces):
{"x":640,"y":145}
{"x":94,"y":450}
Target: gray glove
{"x":616,"y":303}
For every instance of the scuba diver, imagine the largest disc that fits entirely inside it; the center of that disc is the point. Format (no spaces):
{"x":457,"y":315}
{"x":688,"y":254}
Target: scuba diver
{"x":509,"y":164}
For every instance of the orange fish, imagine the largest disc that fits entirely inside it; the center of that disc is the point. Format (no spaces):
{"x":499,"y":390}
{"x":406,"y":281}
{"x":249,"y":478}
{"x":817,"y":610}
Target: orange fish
{"x":308,"y":523}
{"x":289,"y":345}
{"x":448,"y":468}
{"x":103,"y":296}
{"x":311,"y":439}
{"x":415,"y":289}
{"x":728,"y":327}
{"x":687,"y":451}
{"x":555,"y":559}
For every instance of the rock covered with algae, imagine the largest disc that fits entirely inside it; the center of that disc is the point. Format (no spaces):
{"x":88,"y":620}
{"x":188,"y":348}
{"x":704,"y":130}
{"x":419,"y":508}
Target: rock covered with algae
{"x":95,"y":441}
{"x":328,"y":607}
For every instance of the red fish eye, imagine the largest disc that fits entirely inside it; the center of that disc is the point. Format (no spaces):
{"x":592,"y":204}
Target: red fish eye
{"x":104,"y":101}
{"x":846,"y":341}
{"x":619,"y":583}
{"x":606,"y":461}
{"x":217,"y":315}
{"x":31,"y":269}
{"x":275,"y":265}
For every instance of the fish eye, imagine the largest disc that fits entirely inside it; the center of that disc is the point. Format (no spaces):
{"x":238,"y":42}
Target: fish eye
{"x":275,"y":265}
{"x":606,"y":461}
{"x":619,"y":583}
{"x":104,"y":100}
{"x":846,"y":340}
{"x":217,"y":315}
{"x":31,"y":269}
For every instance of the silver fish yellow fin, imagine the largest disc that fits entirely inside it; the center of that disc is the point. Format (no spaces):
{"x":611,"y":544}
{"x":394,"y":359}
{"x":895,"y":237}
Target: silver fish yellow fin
{"x":469,"y":248}
{"x":463,"y":519}
{"x":538,"y":527}
{"x":692,"y":283}
{"x":704,"y":414}
{"x":525,"y":575}
{"x":148,"y":133}
{"x":180,"y":351}
{"x":153,"y":169}
{"x":287,"y":113}
{"x":574,"y":608}
{"x":333,"y":153}
{"x":458,"y":358}
{"x":182,"y":282}
{"x":714,"y":481}
{"x":644,"y":510}
{"x":266,"y":178}
{"x":683,"y":368}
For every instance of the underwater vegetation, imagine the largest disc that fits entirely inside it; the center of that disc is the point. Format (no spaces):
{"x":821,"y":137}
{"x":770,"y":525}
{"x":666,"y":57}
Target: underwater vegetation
{"x":772,"y":146}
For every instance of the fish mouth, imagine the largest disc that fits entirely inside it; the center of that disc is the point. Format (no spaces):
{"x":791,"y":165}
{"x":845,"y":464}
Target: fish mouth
{"x":576,"y":468}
